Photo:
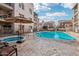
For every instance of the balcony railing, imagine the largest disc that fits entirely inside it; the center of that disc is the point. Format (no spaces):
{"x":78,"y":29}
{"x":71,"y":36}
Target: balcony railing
{"x":76,"y":10}
{"x":75,"y":20}
{"x":3,"y":17}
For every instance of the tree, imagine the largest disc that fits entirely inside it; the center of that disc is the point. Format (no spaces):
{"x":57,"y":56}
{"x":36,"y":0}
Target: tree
{"x":45,"y":27}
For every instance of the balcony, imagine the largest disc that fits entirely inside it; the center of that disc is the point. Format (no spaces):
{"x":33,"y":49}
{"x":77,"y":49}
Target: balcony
{"x":75,"y":11}
{"x":75,"y":20}
{"x":5,"y":15}
{"x":6,"y":6}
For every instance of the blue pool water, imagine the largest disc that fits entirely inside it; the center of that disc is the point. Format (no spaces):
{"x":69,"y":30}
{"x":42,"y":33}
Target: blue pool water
{"x":54,"y":35}
{"x":12,"y":39}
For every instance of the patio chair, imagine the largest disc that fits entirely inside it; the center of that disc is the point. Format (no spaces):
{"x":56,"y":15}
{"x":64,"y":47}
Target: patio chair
{"x":7,"y":50}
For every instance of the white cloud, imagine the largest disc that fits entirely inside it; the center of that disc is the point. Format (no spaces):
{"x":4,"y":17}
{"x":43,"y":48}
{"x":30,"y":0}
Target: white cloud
{"x":67,"y":5}
{"x":50,"y":4}
{"x":45,"y":4}
{"x":52,"y":16}
{"x":36,"y":6}
{"x":43,"y":7}
{"x":46,"y":18}
{"x":57,"y":14}
{"x":42,"y":17}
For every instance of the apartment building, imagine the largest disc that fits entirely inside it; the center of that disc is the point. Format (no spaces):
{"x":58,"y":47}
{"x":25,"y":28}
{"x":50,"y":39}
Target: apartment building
{"x":10,"y":11}
{"x":50,"y":25}
{"x":24,"y":10}
{"x":65,"y":25}
{"x":36,"y":21}
{"x":75,"y":19}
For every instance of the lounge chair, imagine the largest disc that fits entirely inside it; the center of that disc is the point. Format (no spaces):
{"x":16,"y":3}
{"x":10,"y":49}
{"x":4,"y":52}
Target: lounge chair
{"x":6,"y":50}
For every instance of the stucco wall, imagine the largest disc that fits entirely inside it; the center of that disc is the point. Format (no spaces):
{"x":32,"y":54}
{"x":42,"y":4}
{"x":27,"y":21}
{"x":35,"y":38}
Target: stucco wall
{"x":24,"y":12}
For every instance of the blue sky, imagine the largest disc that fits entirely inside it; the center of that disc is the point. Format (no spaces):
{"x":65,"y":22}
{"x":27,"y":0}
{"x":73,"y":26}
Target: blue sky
{"x":53,"y":11}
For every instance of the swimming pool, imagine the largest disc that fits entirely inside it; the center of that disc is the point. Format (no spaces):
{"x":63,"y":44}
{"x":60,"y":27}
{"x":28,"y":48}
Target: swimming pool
{"x":12,"y":39}
{"x":54,"y":35}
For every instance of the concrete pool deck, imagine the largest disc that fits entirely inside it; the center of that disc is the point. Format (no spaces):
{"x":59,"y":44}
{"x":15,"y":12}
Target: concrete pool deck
{"x":38,"y":47}
{"x":74,"y":34}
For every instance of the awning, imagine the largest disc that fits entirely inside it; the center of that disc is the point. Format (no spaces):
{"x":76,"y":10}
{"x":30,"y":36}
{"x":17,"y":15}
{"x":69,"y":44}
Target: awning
{"x":18,"y":20}
{"x":5,"y":21}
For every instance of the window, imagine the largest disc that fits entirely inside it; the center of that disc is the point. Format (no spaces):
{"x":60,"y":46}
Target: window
{"x":30,"y":11}
{"x":21,"y":27}
{"x":3,"y":16}
{"x":9,"y":4}
{"x":21,"y":5}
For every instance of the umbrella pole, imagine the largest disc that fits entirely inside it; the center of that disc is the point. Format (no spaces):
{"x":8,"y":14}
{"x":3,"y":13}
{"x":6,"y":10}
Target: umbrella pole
{"x":20,"y":29}
{"x":19,"y":32}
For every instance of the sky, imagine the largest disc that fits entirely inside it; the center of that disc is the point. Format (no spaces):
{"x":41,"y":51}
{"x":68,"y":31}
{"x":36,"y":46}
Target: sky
{"x":53,"y":11}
